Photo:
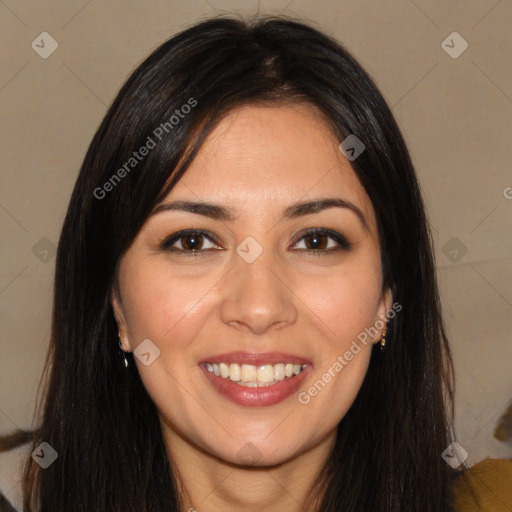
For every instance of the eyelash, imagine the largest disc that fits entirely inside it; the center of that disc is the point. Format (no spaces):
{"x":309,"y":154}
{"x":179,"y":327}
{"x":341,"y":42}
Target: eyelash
{"x":343,"y":243}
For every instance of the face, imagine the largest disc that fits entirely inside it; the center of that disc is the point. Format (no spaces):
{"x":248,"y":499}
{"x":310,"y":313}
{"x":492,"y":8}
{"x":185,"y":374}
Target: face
{"x":257,"y":295}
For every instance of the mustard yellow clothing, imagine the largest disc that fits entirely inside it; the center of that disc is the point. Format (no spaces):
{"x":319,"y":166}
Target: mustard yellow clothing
{"x":489,"y":482}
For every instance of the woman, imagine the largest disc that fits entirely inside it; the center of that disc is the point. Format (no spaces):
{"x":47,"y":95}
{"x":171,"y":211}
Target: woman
{"x":248,"y":228}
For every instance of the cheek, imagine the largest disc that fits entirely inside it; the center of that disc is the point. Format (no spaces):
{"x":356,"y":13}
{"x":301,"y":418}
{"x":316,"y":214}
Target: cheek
{"x":345,"y":301}
{"x":160,"y":306}
{"x":164,"y":308}
{"x":342,"y":309}
{"x":326,"y":401}
{"x":344,"y":305}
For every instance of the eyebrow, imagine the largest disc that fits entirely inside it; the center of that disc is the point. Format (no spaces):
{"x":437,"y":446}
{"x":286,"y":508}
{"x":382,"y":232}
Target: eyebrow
{"x":296,"y":210}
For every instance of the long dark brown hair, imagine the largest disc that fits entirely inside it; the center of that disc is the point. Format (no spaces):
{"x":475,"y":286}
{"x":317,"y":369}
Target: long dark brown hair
{"x":98,"y":416}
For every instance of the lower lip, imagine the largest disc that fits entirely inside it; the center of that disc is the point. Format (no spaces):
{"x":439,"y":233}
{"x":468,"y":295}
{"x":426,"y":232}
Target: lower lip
{"x":256,"y":397}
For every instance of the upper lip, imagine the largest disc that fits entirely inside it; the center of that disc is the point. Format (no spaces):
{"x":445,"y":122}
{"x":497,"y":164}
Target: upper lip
{"x":256,"y":359}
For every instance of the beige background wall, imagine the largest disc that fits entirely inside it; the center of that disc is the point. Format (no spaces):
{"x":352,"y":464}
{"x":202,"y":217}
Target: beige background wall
{"x":456,"y":114}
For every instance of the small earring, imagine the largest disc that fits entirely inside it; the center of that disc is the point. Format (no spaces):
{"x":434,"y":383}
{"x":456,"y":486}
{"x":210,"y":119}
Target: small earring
{"x":383,"y":341}
{"x":123,"y":353}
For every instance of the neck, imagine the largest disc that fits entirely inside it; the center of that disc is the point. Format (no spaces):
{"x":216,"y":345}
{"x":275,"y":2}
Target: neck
{"x":210,"y":484}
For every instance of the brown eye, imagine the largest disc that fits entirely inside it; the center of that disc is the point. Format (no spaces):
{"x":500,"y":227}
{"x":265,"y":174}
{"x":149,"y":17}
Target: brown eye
{"x":188,"y":242}
{"x":317,"y":241}
{"x":192,"y":242}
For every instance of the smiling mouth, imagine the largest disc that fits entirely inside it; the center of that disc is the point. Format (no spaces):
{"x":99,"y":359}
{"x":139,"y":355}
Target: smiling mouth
{"x":252,"y":376}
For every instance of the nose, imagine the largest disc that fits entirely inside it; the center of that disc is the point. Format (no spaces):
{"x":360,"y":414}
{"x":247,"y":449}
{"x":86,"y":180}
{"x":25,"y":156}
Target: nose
{"x":257,"y":296}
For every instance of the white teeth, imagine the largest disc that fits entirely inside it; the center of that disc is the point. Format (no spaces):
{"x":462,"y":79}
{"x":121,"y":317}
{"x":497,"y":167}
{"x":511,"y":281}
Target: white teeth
{"x":279,"y":371}
{"x":234,"y":372}
{"x":255,"y":376}
{"x":265,"y":373}
{"x":224,"y":370}
{"x":249,"y":373}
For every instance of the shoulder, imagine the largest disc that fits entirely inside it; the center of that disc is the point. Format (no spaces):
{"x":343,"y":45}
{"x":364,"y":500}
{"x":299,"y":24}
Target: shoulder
{"x":485,"y":486}
{"x":12,"y":463}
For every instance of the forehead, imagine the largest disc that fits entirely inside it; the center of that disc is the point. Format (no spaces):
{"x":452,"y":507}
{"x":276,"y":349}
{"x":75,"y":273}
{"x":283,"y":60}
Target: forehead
{"x":273,"y":156}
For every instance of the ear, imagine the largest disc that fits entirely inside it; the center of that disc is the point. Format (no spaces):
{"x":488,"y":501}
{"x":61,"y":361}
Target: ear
{"x":381,"y":319}
{"x":117,"y":307}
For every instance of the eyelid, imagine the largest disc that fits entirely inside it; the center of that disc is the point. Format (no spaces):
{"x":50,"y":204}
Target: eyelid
{"x":342,"y":243}
{"x":341,"y":240}
{"x":167,"y":242}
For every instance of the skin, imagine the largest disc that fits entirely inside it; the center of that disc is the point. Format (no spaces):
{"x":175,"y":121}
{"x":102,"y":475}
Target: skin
{"x":257,"y":161}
